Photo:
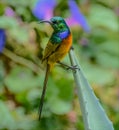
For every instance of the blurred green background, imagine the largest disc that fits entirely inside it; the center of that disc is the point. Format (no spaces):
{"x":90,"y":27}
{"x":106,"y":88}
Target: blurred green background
{"x":22,"y":74}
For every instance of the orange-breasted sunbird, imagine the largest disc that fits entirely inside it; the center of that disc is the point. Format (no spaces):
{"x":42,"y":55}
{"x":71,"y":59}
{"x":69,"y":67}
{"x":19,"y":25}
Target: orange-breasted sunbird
{"x":58,"y":46}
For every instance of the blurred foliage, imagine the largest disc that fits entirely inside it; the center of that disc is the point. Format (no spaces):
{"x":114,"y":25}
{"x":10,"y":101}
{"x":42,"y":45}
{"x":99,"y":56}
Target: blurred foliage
{"x":22,"y":74}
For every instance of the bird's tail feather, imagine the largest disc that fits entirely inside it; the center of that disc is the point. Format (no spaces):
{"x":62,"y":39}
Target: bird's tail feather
{"x":48,"y":68}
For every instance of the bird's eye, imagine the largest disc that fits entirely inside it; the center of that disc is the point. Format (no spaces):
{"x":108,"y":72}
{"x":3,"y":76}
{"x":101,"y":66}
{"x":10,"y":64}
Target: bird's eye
{"x":54,"y":22}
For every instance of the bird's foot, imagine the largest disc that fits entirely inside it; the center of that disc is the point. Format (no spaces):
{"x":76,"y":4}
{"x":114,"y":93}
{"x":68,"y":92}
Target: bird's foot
{"x":73,"y":68}
{"x":69,"y":67}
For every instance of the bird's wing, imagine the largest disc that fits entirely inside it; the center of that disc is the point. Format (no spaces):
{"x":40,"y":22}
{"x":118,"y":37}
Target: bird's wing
{"x":50,"y":49}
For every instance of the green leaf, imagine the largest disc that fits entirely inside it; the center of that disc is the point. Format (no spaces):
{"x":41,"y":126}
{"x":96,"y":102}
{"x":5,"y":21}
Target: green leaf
{"x":98,"y":75}
{"x":8,"y":22}
{"x":21,"y":79}
{"x":19,"y":3}
{"x":94,"y":116}
{"x":22,"y":121}
{"x":108,"y":60}
{"x":58,"y":101}
{"x":20,"y":34}
{"x":104,"y":17}
{"x":59,"y":106}
{"x":110,"y":47}
{"x":6,"y":119}
{"x":65,"y":85}
{"x":33,"y":94}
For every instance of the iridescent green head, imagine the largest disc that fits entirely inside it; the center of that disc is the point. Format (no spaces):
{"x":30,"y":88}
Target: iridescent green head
{"x":61,"y":30}
{"x":58,"y":24}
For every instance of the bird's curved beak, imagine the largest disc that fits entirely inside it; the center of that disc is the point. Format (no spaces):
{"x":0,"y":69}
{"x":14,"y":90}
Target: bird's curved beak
{"x":46,"y":21}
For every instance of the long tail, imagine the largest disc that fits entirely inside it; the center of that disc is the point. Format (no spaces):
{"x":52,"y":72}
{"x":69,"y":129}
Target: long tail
{"x":44,"y":90}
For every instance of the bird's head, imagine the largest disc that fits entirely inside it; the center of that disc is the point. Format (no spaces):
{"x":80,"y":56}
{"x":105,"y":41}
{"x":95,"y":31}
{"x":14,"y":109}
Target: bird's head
{"x":57,"y":23}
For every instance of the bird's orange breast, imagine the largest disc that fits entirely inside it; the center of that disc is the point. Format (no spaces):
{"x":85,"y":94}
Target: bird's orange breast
{"x":60,"y":53}
{"x":66,"y":45}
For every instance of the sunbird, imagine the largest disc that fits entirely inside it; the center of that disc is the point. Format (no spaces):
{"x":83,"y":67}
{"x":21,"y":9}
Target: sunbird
{"x":58,"y":46}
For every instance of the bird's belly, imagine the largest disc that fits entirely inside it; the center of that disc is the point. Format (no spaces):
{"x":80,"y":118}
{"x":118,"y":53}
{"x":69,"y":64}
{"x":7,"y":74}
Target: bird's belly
{"x":65,"y":45}
{"x":62,"y":50}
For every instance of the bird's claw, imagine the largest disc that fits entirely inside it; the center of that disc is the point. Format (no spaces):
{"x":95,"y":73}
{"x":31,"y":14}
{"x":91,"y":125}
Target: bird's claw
{"x":73,"y":68}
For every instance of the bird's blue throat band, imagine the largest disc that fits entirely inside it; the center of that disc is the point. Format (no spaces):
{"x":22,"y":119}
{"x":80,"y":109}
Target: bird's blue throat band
{"x":63,"y":34}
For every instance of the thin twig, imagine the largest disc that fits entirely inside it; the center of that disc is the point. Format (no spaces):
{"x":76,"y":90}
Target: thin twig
{"x":35,"y":68}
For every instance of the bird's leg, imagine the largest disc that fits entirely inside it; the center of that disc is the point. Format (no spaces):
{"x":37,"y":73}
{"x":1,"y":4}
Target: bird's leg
{"x":67,"y":66}
{"x":71,"y":48}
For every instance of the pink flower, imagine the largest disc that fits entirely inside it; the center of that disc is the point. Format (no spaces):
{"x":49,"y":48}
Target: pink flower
{"x":77,"y":18}
{"x":44,"y":9}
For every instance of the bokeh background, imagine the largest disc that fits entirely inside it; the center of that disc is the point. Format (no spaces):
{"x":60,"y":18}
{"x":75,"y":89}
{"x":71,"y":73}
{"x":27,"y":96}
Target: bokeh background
{"x":95,"y":29}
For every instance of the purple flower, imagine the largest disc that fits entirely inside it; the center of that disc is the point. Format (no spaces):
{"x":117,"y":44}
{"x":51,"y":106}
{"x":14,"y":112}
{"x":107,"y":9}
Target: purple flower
{"x":2,"y":39}
{"x":84,"y":41}
{"x":77,"y":17}
{"x":9,"y":12}
{"x":44,"y":9}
